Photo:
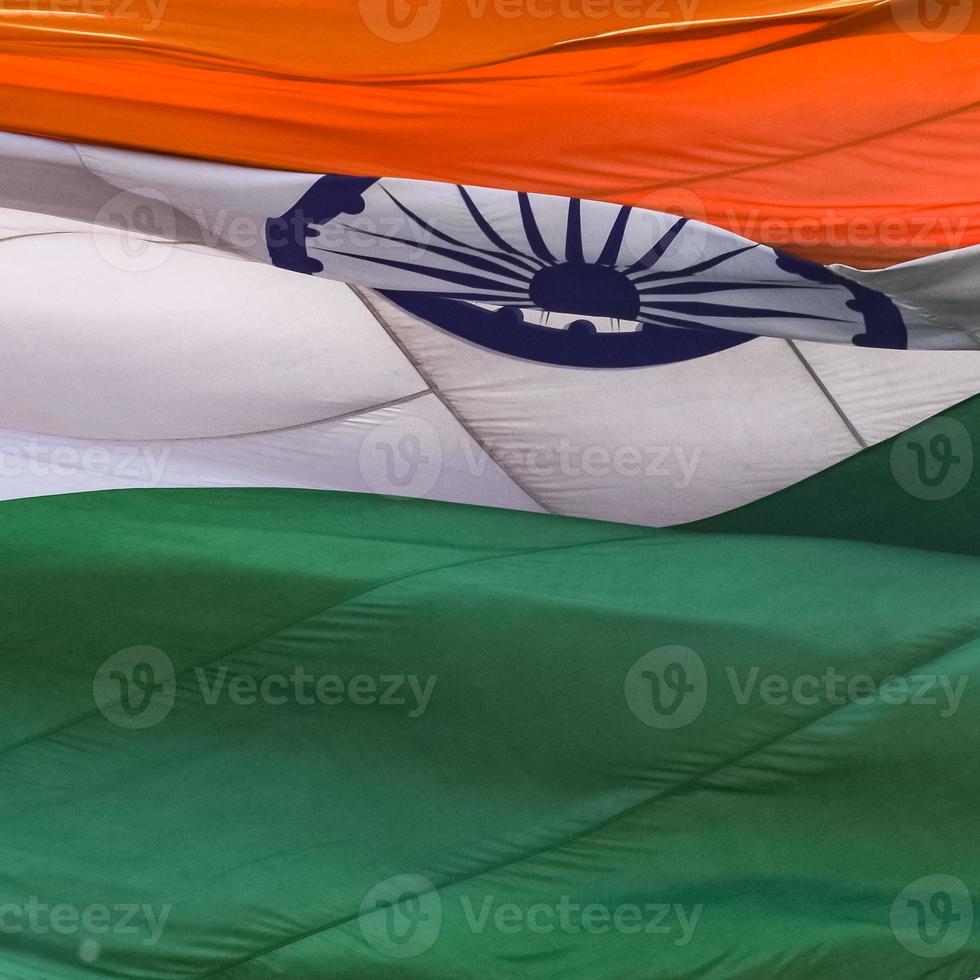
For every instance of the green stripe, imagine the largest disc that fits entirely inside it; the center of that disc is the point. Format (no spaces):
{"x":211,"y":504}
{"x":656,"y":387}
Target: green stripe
{"x":879,"y":494}
{"x":770,"y":835}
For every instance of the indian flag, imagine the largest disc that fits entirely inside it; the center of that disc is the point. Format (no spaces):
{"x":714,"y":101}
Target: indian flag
{"x":488,"y":489}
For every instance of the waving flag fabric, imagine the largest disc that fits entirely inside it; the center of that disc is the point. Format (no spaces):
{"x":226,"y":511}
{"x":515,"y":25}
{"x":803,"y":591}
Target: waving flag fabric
{"x":489,"y":489}
{"x":789,"y":127}
{"x":499,"y":347}
{"x":519,"y":802}
{"x":371,"y":37}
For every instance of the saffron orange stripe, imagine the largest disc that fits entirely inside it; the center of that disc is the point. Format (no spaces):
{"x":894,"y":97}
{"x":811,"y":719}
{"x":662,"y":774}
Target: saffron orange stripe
{"x":846,"y":140}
